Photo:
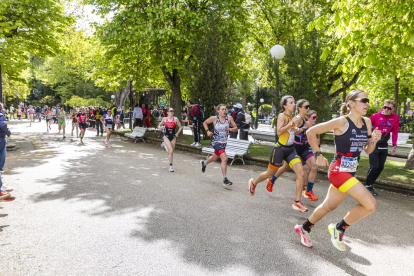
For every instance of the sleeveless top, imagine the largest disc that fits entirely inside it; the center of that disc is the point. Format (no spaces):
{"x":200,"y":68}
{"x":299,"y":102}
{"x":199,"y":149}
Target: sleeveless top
{"x":287,"y":138}
{"x":220,"y":132}
{"x":351,"y":142}
{"x":301,"y":138}
{"x":62,"y":114}
{"x":169,"y":126}
{"x":75,"y":118}
{"x":82,"y":117}
{"x":108,"y":120}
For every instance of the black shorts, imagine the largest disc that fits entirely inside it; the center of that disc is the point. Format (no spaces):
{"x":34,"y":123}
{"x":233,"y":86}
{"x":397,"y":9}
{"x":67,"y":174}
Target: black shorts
{"x":170,"y":137}
{"x":219,"y":149}
{"x":83,"y":126}
{"x":304,"y":151}
{"x":280,"y":153}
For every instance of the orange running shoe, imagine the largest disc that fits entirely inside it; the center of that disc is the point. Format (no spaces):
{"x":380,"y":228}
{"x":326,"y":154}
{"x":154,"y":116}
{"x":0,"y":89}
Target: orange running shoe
{"x":4,"y":195}
{"x":311,"y":196}
{"x":269,"y":185}
{"x":298,"y":206}
{"x":252,"y":188}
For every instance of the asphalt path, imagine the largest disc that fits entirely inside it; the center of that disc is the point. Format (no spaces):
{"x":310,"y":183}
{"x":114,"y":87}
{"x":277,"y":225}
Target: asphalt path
{"x":83,"y":209}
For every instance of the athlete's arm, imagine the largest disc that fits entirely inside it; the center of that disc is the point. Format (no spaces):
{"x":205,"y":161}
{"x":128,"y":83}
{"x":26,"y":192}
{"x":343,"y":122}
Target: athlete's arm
{"x":369,"y":147}
{"x":281,"y":124}
{"x":161,"y":123}
{"x":179,"y":125}
{"x":233,"y":123}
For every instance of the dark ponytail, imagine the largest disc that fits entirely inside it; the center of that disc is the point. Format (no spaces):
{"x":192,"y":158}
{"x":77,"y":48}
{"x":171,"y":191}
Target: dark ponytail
{"x":284,"y":100}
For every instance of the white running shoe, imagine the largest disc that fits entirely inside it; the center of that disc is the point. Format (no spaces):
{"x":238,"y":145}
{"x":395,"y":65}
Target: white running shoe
{"x":171,"y":169}
{"x":6,"y":188}
{"x":162,"y":145}
{"x":197,"y":145}
{"x":106,"y":143}
{"x":193,"y":144}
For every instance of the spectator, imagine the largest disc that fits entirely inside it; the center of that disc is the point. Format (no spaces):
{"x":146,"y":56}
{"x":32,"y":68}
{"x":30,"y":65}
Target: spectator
{"x":234,"y":115}
{"x":12,"y":109}
{"x":145,"y":115}
{"x":196,"y":118}
{"x":137,"y":114}
{"x":155,"y":112}
{"x":386,"y":121}
{"x":215,"y":108}
{"x":4,"y":131}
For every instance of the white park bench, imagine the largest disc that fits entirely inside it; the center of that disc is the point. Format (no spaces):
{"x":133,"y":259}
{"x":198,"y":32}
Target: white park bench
{"x":137,"y":133}
{"x":235,"y":149}
{"x":401,"y":140}
{"x":263,"y":133}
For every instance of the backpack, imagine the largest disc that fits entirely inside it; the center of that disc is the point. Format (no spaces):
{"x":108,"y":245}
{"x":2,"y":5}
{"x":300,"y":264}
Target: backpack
{"x":202,"y":112}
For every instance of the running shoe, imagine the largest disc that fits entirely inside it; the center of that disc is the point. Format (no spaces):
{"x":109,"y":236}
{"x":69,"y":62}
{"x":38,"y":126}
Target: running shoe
{"x":6,"y":188}
{"x":227,"y":182}
{"x":269,"y":185}
{"x":197,"y":145}
{"x":193,"y":144}
{"x":4,"y":195}
{"x":203,"y":165}
{"x":337,"y":237}
{"x":106,"y":143}
{"x":298,"y":206}
{"x":162,"y":145}
{"x":311,"y":196}
{"x":171,"y":169}
{"x":10,"y":198}
{"x":371,"y":190}
{"x":305,"y":236}
{"x":252,"y":188}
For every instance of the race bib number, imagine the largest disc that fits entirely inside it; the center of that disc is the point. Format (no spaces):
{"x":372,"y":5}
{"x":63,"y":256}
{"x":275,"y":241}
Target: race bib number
{"x":348,"y":164}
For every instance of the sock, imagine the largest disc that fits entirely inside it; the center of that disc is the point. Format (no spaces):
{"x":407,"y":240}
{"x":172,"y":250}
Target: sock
{"x":170,"y":165}
{"x":297,"y":201}
{"x":273,"y":179}
{"x":307,"y":226}
{"x":341,"y":226}
{"x":224,"y":177}
{"x":309,"y":187}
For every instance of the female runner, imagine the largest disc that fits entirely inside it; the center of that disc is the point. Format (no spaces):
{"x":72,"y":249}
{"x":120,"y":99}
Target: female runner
{"x":48,"y":115}
{"x":170,"y":122}
{"x":75,"y":123}
{"x":284,"y":150}
{"x":108,"y":121}
{"x":304,"y":151}
{"x":352,"y":135}
{"x":219,"y":137}
{"x":61,"y":120}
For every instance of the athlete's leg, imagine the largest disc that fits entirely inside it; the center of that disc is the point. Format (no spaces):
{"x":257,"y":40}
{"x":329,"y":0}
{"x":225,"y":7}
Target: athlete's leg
{"x":332,"y":200}
{"x":282,"y":170}
{"x":73,"y":127}
{"x":311,"y":162}
{"x":169,"y":148}
{"x":64,"y":127}
{"x":300,"y":175}
{"x":367,"y":203}
{"x":224,"y":160}
{"x":264,"y":175}
{"x":212,"y":158}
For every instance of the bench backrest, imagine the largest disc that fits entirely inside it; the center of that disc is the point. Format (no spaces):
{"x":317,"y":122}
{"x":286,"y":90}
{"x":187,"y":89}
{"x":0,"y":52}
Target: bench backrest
{"x":139,"y":130}
{"x":237,"y":145}
{"x":264,"y":127}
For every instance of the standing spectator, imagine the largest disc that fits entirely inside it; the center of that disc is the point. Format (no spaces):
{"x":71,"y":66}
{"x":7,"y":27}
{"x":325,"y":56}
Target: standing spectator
{"x":38,"y":113}
{"x":386,"y":122}
{"x":145,"y":115}
{"x":164,"y":112}
{"x":121,"y":118}
{"x":92,"y":119}
{"x":155,"y":112}
{"x":195,"y":116}
{"x":215,"y":109}
{"x":12,"y":111}
{"x":234,"y":115}
{"x":241,"y":122}
{"x":137,"y":116}
{"x":98,"y":115}
{"x":4,"y":131}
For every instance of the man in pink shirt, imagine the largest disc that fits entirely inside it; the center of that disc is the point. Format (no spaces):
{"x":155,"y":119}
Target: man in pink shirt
{"x":388,"y":123}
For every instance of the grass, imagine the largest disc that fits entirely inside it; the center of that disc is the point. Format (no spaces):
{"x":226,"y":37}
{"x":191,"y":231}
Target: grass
{"x":393,"y":171}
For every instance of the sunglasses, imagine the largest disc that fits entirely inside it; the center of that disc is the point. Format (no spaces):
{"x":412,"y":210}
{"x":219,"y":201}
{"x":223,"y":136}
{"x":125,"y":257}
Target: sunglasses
{"x":387,"y":107}
{"x":362,"y":100}
{"x":314,"y":117}
{"x":306,"y":106}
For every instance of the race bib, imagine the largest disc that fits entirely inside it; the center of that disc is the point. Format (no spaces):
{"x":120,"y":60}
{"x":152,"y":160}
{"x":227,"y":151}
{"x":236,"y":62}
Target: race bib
{"x":348,"y":164}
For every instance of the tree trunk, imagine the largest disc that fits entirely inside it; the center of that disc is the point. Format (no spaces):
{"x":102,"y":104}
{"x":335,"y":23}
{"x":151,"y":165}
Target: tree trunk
{"x":121,"y":95}
{"x":174,"y":82}
{"x":409,"y":165}
{"x":396,"y":93}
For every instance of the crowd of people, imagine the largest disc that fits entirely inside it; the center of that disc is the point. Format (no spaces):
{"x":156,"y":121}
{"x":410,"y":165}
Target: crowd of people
{"x":297,"y":147}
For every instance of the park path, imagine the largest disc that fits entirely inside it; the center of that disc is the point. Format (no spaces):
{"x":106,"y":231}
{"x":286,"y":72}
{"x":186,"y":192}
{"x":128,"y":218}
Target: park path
{"x":88,"y":210}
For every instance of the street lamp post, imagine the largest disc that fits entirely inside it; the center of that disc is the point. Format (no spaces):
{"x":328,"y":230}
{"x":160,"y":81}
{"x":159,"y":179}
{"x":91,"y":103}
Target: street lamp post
{"x":257,"y":103}
{"x":277,"y":52}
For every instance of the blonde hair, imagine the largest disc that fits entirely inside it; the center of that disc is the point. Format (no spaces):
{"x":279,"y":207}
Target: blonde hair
{"x":311,"y":112}
{"x":352,"y":95}
{"x":390,"y":102}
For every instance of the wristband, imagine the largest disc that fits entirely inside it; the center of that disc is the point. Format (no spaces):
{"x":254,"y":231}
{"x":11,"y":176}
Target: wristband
{"x":206,"y":130}
{"x":317,"y":153}
{"x":372,"y":143}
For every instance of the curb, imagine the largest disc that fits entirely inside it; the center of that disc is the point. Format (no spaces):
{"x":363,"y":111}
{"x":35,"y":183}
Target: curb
{"x":381,"y":184}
